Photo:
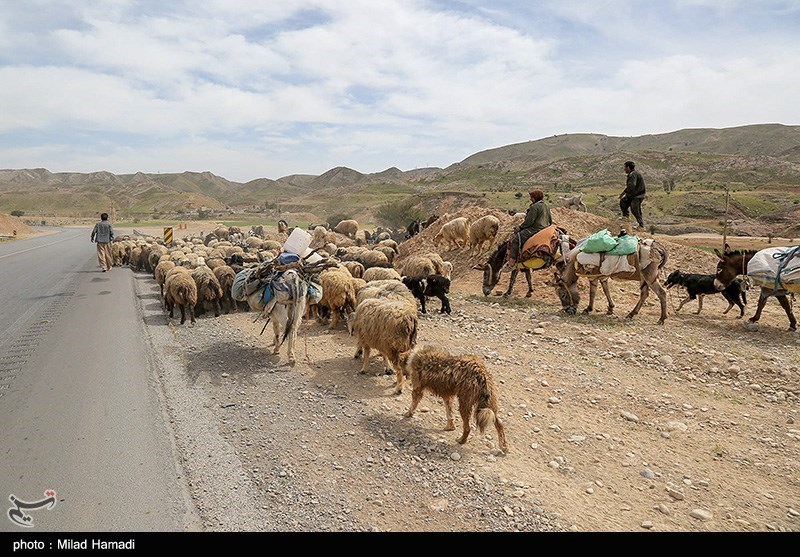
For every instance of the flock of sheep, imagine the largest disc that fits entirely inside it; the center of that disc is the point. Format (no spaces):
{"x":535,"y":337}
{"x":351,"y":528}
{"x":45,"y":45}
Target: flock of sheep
{"x":361,"y":286}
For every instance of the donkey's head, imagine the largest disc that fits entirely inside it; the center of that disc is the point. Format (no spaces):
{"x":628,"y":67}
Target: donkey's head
{"x":492,"y":268}
{"x":730,"y":264}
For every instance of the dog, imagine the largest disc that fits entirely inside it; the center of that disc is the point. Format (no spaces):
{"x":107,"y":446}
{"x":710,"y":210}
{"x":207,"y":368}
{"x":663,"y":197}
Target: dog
{"x":569,"y":201}
{"x":465,"y":377}
{"x":698,"y":285}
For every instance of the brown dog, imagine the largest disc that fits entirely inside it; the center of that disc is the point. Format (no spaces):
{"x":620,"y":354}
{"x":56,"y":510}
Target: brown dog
{"x":432,"y":369}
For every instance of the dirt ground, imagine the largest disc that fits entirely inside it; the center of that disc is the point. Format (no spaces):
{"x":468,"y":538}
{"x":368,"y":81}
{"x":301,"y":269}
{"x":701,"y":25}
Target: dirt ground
{"x":613,"y":424}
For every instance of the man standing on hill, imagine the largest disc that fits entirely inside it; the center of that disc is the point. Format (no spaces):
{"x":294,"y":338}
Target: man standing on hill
{"x":536,"y":218}
{"x":103,"y":234}
{"x":631,"y":199}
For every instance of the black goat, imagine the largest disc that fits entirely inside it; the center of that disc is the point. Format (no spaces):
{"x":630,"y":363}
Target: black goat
{"x":434,"y":286}
{"x":698,"y":285}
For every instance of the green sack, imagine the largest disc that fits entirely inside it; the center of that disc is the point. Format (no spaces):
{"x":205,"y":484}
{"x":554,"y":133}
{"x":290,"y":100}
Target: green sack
{"x":600,"y":242}
{"x":626,"y":245}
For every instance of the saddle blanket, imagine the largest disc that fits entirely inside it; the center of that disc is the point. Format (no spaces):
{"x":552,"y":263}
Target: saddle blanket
{"x":543,"y":245}
{"x":776,"y":268}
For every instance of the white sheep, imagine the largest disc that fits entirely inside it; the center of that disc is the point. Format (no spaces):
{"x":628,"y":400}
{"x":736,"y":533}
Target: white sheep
{"x":388,"y":326}
{"x":482,"y":231}
{"x":380,"y":273}
{"x":453,"y":233}
{"x":417,"y":266}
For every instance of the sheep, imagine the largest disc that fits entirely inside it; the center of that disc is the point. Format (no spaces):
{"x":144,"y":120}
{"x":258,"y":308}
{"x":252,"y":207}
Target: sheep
{"x":380,"y":273}
{"x":347,"y":227}
{"x":361,"y":237}
{"x":482,"y":231}
{"x":318,"y":237}
{"x":356,"y":269}
{"x":390,"y":327}
{"x":180,"y":289}
{"x":257,"y":231}
{"x":454,"y":232}
{"x":117,"y":253}
{"x":208,"y":290}
{"x":448,"y":270}
{"x":225,"y":276}
{"x":214,"y":262}
{"x":221,"y":233}
{"x":254,"y":242}
{"x":387,"y":251}
{"x":417,"y":266}
{"x":338,"y":294}
{"x":135,"y":260}
{"x":283,"y":227}
{"x":389,"y":243}
{"x":390,"y":288}
{"x":161,"y":275}
{"x":438,"y":262}
{"x":271,"y":245}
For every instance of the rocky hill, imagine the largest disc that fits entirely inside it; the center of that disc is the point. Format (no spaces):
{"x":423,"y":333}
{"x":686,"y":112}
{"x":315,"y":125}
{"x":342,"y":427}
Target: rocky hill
{"x":695,"y":178}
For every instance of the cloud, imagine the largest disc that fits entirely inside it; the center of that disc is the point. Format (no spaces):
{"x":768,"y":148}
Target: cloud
{"x":256,"y":90}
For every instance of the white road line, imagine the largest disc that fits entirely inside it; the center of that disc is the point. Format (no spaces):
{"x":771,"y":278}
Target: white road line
{"x":36,"y":247}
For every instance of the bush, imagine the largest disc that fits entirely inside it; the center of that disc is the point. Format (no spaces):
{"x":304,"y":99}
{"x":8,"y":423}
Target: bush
{"x":17,"y":213}
{"x":397,"y":214}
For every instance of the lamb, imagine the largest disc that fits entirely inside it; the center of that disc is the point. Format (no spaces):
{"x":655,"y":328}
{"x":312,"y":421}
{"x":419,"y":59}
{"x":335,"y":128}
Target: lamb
{"x":380,"y":273}
{"x":225,"y":276}
{"x":453,"y":233}
{"x":347,"y":227}
{"x":208,"y":290}
{"x":180,"y":289}
{"x":387,"y":325}
{"x":482,"y":231}
{"x":431,"y":286}
{"x":464,"y":377}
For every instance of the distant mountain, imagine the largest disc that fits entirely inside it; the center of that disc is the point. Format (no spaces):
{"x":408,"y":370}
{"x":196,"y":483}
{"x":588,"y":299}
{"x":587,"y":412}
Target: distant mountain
{"x":760,"y":163}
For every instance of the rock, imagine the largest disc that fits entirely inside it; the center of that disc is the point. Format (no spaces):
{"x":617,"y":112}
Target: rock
{"x":663,"y":509}
{"x":553,"y":400}
{"x":455,"y":456}
{"x":676,"y":426}
{"x":539,"y":331}
{"x":701,"y":514}
{"x":630,"y":416}
{"x":665,"y":360}
{"x":647,"y":473}
{"x":675,"y":494}
{"x":647,"y":525}
{"x":793,"y":512}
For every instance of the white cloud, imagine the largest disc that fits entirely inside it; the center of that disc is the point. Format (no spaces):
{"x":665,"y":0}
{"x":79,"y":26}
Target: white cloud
{"x":250,"y":90}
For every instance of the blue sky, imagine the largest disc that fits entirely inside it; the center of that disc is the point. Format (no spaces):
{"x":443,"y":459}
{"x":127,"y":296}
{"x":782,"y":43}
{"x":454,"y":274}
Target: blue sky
{"x":252,"y":89}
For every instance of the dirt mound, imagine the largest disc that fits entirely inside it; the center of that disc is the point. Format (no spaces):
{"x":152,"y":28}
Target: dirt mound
{"x":9,"y":224}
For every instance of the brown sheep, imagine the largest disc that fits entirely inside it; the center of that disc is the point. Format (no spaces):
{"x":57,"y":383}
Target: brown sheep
{"x":225,"y":276}
{"x":356,"y":269}
{"x":380,"y":273}
{"x":481,"y":232}
{"x":338,"y":294}
{"x":180,"y":289}
{"x":161,"y":275}
{"x":208,"y":290}
{"x":347,"y":227}
{"x":454,"y":234}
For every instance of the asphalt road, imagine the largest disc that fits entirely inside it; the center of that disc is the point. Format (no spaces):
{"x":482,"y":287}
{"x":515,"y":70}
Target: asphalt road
{"x":80,"y":403}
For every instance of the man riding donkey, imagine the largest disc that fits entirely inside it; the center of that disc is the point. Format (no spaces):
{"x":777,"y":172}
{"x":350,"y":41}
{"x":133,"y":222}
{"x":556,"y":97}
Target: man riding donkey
{"x":537,"y":218}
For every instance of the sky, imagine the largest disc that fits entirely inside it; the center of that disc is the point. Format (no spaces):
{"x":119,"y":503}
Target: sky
{"x":251,"y":89}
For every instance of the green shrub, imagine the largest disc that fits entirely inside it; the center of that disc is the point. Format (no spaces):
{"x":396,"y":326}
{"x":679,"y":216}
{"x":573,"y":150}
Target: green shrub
{"x":17,"y":213}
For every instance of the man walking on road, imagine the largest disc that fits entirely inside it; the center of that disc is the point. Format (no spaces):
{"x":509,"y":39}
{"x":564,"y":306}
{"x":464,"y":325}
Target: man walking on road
{"x":631,"y":199}
{"x":103,"y":234}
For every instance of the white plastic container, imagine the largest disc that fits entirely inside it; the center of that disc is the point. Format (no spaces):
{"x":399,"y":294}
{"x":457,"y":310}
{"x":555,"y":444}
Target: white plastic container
{"x":297,"y":242}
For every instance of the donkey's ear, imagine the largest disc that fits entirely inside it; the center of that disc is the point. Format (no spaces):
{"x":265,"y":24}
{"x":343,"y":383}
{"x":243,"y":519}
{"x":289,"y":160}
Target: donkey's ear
{"x":728,"y":248}
{"x":721,"y":257}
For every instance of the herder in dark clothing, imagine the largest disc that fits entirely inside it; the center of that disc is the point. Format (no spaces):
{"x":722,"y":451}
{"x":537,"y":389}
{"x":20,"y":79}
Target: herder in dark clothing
{"x":536,"y":218}
{"x":633,"y":195}
{"x":103,"y":234}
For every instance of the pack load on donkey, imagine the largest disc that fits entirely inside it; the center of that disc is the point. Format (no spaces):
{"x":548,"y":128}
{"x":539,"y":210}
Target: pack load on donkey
{"x":777,"y":268}
{"x":603,"y":254}
{"x":540,"y":251}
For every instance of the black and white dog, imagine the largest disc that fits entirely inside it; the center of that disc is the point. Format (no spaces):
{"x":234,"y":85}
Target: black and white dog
{"x":434,"y":286}
{"x":698,"y":285}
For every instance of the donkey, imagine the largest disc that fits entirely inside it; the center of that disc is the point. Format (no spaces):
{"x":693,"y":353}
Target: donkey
{"x":567,"y":274}
{"x":734,"y":263}
{"x":285,"y":309}
{"x":492,"y":268}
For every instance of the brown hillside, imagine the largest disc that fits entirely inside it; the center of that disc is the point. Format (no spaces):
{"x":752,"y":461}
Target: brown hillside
{"x":9,"y":224}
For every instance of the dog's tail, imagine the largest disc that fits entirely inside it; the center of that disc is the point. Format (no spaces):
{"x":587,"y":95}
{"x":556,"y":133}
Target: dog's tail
{"x":485,"y":417}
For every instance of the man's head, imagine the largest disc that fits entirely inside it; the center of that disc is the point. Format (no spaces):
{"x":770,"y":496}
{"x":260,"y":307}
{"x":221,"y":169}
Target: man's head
{"x":104,"y":216}
{"x":629,"y":165}
{"x":536,"y":195}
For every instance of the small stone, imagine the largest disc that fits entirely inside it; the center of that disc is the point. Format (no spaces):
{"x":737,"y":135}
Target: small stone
{"x":793,"y":512}
{"x":701,"y":514}
{"x":647,"y":473}
{"x":589,"y":490}
{"x":675,"y":494}
{"x":647,"y":525}
{"x":455,"y":456}
{"x":553,"y":400}
{"x":663,"y":509}
{"x":630,"y":416}
{"x":665,"y":360}
{"x":676,"y":426}
{"x":224,"y":375}
{"x":539,"y":331}
{"x":508,"y":510}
